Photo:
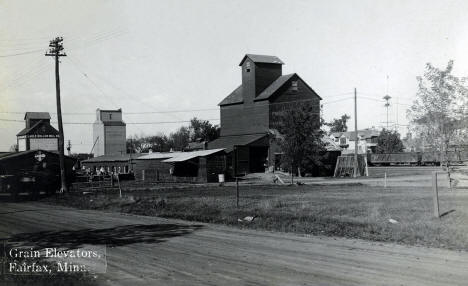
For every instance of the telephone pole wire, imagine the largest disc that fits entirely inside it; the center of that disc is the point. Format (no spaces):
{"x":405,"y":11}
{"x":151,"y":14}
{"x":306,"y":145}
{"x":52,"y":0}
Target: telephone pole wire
{"x":56,"y":48}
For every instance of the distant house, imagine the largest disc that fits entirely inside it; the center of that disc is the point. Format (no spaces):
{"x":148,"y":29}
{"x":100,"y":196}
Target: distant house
{"x":250,"y":114}
{"x":367,"y":140}
{"x":38,"y":133}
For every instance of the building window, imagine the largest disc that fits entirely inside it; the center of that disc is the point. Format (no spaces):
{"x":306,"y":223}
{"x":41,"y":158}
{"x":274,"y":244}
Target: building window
{"x":294,"y":85}
{"x":247,"y":67}
{"x":110,"y":116}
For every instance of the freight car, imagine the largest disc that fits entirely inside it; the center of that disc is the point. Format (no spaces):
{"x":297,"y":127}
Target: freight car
{"x":411,"y":158}
{"x":414,"y":158}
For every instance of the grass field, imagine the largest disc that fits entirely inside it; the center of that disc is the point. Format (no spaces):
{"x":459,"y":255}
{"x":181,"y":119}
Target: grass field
{"x":351,"y":210}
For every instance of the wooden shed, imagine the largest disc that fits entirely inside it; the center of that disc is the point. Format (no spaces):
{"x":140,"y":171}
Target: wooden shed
{"x":32,"y":172}
{"x":197,"y":166}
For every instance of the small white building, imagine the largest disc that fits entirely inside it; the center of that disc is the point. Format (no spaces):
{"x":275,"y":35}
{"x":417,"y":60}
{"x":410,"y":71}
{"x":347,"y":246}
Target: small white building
{"x":367,"y":140}
{"x":38,"y":134}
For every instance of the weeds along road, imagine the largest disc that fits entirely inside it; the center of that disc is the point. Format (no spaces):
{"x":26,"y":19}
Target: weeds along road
{"x":154,"y":251}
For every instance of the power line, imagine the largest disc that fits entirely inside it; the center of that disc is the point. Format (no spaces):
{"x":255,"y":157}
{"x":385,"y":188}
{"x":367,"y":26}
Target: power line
{"x":335,"y":101}
{"x":173,"y":111}
{"x":21,"y":54}
{"x":337,"y":94}
{"x":126,"y":113}
{"x":128,"y":123}
{"x":91,"y":81}
{"x":93,"y":40}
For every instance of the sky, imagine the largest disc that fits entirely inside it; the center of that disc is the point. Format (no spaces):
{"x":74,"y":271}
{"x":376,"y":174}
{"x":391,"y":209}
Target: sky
{"x":164,"y":62}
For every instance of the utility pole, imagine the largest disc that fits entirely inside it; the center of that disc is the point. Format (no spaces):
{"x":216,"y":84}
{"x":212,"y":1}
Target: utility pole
{"x":56,"y":48}
{"x":355,"y":173}
{"x":387,"y":104}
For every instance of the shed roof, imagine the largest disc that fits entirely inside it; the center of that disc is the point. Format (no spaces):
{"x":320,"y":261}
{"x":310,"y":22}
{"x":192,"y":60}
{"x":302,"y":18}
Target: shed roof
{"x":228,"y":142}
{"x":114,"y":158}
{"x":268,"y":92}
{"x":236,"y":96}
{"x":273,"y":87}
{"x":159,"y":155}
{"x":265,"y":59}
{"x":184,"y":156}
{"x":46,"y":129}
{"x":9,"y":155}
{"x":37,"y":115}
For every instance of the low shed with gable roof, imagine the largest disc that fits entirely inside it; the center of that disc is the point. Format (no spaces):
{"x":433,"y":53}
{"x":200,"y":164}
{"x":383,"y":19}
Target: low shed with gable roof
{"x":32,"y":172}
{"x":197,"y":166}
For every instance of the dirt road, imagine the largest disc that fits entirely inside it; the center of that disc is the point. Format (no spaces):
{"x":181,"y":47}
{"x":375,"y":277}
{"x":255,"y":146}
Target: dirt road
{"x":154,"y":251}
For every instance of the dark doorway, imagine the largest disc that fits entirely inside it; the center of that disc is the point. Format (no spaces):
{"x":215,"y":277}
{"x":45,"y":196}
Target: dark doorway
{"x":258,"y":159}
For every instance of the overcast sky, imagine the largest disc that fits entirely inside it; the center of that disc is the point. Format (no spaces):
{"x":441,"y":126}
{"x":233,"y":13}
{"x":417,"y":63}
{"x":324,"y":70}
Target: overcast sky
{"x":151,"y":56}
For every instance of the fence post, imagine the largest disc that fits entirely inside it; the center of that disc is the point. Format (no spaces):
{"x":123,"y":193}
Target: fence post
{"x":385,"y":180}
{"x":435,"y":195}
{"x":237,"y":192}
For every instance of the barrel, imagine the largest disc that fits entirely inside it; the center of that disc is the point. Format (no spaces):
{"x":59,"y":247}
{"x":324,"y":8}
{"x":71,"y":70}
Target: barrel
{"x":221,"y":178}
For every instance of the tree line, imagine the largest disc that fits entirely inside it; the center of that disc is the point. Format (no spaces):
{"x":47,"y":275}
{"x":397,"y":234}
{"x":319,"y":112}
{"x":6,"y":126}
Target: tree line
{"x":197,"y":131}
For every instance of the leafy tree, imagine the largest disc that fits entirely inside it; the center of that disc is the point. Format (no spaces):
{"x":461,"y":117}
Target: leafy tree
{"x":339,"y":125}
{"x":437,"y":115}
{"x":301,"y":138}
{"x":157,"y":143}
{"x":203,"y":130}
{"x":179,"y":139}
{"x":389,"y":142}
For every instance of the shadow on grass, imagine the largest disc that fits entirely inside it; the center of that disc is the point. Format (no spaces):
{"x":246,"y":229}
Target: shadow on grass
{"x":115,"y":236}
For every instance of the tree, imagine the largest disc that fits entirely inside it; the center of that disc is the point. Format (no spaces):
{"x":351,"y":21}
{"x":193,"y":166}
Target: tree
{"x":157,"y":143}
{"x":437,"y":115}
{"x":203,"y":130}
{"x":389,"y":142}
{"x":339,"y":125}
{"x":179,"y":139}
{"x":301,"y":138}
